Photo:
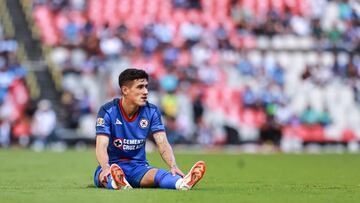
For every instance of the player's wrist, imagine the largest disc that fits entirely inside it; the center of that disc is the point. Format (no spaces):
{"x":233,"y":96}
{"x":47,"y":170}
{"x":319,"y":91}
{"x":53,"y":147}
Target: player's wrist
{"x":105,"y":167}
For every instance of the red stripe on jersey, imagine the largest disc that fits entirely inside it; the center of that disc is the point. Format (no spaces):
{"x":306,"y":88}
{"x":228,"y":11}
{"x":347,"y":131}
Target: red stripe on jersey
{"x":124,"y":114}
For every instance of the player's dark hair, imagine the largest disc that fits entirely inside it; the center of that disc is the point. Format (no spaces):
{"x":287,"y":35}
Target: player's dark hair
{"x":131,"y":74}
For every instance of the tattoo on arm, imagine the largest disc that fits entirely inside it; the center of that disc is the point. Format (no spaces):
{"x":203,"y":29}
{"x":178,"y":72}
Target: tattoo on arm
{"x":165,"y":149}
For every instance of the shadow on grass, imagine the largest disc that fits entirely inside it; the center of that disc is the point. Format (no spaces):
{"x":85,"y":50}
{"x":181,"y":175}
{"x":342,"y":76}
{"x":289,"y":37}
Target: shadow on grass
{"x":91,"y":186}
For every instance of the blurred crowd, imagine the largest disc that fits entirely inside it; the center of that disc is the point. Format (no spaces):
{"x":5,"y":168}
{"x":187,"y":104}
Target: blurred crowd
{"x":21,"y":123}
{"x":223,"y":72}
{"x":13,"y":92}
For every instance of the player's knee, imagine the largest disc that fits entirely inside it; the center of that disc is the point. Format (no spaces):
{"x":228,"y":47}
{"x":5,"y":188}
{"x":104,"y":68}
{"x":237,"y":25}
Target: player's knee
{"x":164,"y":179}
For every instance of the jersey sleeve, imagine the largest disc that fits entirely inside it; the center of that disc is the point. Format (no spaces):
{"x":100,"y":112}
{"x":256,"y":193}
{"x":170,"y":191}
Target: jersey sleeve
{"x":103,"y":123}
{"x":156,"y":123}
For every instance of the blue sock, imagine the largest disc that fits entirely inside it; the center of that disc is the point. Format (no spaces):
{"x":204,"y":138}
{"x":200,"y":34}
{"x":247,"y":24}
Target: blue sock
{"x":164,"y":179}
{"x":108,"y":185}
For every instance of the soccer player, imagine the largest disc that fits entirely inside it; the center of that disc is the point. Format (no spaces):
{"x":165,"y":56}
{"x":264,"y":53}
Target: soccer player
{"x":122,"y":127}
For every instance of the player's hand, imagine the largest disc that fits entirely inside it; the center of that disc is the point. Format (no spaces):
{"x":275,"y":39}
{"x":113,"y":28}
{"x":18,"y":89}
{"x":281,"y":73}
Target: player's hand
{"x":175,"y":170}
{"x":105,"y":173}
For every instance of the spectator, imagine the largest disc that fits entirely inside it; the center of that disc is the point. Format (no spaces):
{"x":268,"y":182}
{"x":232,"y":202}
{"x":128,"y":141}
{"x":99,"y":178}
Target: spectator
{"x":249,"y":97}
{"x":72,"y":33}
{"x":111,"y":46}
{"x":43,"y":125}
{"x":198,"y":108}
{"x":72,"y":110}
{"x":271,"y":132}
{"x":173,"y":133}
{"x":203,"y":134}
{"x":309,"y":116}
{"x":22,"y":131}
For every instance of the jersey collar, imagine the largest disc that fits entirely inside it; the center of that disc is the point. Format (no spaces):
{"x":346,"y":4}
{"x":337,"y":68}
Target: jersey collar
{"x":124,"y":114}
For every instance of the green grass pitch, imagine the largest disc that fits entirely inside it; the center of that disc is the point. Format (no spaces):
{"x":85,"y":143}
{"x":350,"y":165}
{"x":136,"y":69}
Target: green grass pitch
{"x":27,"y":176}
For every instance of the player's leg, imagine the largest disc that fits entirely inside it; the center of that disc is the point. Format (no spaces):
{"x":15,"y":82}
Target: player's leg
{"x":164,"y":179}
{"x":153,"y":177}
{"x":194,"y":176}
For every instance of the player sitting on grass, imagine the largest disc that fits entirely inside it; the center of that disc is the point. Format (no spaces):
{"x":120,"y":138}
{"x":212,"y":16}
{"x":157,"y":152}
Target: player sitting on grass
{"x":122,"y":127}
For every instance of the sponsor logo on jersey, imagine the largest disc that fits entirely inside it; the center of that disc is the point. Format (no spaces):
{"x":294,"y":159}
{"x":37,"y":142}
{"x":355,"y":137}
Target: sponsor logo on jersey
{"x":118,"y":122}
{"x":128,"y":144}
{"x":143,"y":123}
{"x":100,"y":122}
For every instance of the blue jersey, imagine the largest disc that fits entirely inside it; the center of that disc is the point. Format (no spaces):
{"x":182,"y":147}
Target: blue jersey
{"x":127,"y":136}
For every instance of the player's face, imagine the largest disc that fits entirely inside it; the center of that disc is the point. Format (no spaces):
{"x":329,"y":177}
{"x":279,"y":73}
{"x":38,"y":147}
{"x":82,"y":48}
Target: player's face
{"x":138,"y":92}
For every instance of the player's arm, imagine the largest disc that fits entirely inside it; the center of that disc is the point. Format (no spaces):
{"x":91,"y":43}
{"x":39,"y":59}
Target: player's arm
{"x":102,"y":142}
{"x":166,"y":152}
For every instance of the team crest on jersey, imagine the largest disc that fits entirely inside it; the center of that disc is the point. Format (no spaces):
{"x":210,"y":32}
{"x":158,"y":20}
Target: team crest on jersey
{"x":100,"y":122}
{"x":118,"y":143}
{"x":143,"y":123}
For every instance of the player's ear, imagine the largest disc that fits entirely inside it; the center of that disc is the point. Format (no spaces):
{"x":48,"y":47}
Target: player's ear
{"x":124,"y":90}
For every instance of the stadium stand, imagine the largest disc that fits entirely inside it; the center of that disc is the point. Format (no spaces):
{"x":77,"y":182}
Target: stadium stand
{"x":260,"y":67}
